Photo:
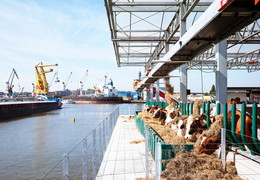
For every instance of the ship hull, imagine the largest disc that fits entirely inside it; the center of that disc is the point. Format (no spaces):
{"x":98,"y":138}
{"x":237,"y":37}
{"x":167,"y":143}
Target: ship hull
{"x":9,"y":110}
{"x":98,"y":100}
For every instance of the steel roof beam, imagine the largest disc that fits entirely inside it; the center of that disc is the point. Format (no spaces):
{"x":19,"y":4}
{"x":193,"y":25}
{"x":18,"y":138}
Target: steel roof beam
{"x":210,"y":18}
{"x":153,"y":9}
{"x":156,"y":6}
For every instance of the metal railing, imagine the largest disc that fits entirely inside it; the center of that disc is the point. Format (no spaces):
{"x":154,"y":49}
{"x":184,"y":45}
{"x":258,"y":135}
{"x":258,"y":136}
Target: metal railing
{"x":83,"y":161}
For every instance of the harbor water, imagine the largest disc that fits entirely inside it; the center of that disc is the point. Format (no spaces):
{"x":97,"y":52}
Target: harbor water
{"x":30,"y":146}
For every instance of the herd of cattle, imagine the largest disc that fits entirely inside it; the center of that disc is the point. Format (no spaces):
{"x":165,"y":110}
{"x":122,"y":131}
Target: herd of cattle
{"x":195,"y":124}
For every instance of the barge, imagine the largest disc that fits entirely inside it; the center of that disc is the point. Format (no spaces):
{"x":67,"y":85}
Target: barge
{"x":9,"y":110}
{"x":98,"y":100}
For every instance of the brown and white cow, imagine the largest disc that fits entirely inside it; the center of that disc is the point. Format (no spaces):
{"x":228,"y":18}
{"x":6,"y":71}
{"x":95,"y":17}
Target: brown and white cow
{"x":172,"y":116}
{"x":195,"y":124}
{"x":147,"y":108}
{"x":211,"y":144}
{"x":179,"y":128}
{"x":153,"y":109}
{"x":160,"y":114}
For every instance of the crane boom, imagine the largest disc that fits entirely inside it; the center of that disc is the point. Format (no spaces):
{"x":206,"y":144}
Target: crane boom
{"x":57,"y":80}
{"x":9,"y":83}
{"x":41,"y":81}
{"x":82,"y":82}
{"x":66,"y":84}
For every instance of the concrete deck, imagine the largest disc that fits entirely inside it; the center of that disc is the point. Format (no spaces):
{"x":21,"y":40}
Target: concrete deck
{"x":124,"y":159}
{"x":246,"y":168}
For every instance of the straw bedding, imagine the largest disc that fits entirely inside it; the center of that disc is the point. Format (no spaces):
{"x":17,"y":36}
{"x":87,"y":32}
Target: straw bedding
{"x":188,"y":166}
{"x":169,"y":90}
{"x":164,"y":132}
{"x":192,"y":166}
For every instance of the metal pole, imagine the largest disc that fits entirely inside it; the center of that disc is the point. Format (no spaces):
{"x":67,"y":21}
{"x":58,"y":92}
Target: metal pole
{"x":158,"y":152}
{"x":157,"y":90}
{"x":128,"y":111}
{"x":221,"y":72}
{"x":65,"y":167}
{"x":146,"y":153}
{"x":94,"y":154}
{"x":104,"y":137}
{"x":223,"y":148}
{"x":100,"y":144}
{"x":84,"y":160}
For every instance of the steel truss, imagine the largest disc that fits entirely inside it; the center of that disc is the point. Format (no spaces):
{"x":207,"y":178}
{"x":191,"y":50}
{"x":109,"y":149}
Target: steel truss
{"x":248,"y":61}
{"x":142,"y":32}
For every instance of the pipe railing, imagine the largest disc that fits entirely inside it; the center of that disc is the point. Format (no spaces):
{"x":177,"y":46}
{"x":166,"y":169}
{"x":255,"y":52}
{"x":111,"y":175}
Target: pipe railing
{"x":85,"y":161}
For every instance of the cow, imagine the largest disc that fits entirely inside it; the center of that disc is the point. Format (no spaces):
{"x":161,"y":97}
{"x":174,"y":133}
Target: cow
{"x":160,"y":114}
{"x":147,"y":108}
{"x":153,"y":109}
{"x":210,"y":144}
{"x":179,"y":127}
{"x":248,"y":125}
{"x":172,"y":116}
{"x":195,"y":124}
{"x":234,"y":101}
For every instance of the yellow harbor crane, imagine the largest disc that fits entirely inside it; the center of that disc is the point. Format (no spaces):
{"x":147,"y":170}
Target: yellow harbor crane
{"x":42,"y":86}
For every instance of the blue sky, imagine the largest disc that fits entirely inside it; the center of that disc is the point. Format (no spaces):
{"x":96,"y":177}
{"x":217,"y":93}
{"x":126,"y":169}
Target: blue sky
{"x":75,"y":34}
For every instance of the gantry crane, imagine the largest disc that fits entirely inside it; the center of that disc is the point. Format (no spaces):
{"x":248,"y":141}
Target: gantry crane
{"x":42,"y":87}
{"x":82,"y":82}
{"x":9,"y":83}
{"x":66,"y":84}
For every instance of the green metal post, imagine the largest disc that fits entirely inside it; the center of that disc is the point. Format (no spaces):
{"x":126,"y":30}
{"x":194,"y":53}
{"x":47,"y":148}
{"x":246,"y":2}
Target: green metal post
{"x":254,"y":126}
{"x":187,"y":108}
{"x":208,"y":114}
{"x":191,"y":108}
{"x":243,"y":127}
{"x":233,"y":128}
{"x":218,"y":109}
{"x":203,"y":108}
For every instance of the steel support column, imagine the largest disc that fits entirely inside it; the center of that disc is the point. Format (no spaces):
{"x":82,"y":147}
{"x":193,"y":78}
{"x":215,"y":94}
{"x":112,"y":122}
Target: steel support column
{"x":221,"y":72}
{"x":157,"y":90}
{"x":183,"y":83}
{"x":146,"y":94}
{"x":183,"y":68}
{"x":151,"y":93}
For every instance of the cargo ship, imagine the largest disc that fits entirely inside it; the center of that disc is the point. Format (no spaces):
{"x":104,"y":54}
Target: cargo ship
{"x":9,"y":110}
{"x":105,"y":93}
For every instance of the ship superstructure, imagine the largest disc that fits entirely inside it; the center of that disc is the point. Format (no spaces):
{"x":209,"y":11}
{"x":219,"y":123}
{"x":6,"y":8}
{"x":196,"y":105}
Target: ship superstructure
{"x":106,"y":89}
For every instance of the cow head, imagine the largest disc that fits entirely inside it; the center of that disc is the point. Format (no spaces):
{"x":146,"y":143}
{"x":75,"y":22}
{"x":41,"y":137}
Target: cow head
{"x":153,"y":108}
{"x":192,"y":123}
{"x":209,"y":145}
{"x":147,"y":108}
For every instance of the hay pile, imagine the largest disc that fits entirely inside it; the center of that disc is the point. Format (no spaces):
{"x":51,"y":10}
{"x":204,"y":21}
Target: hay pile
{"x":198,"y":167}
{"x":213,"y":131}
{"x":135,"y":83}
{"x":169,"y":90}
{"x":164,"y":132}
{"x":137,"y":142}
{"x":197,"y":106}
